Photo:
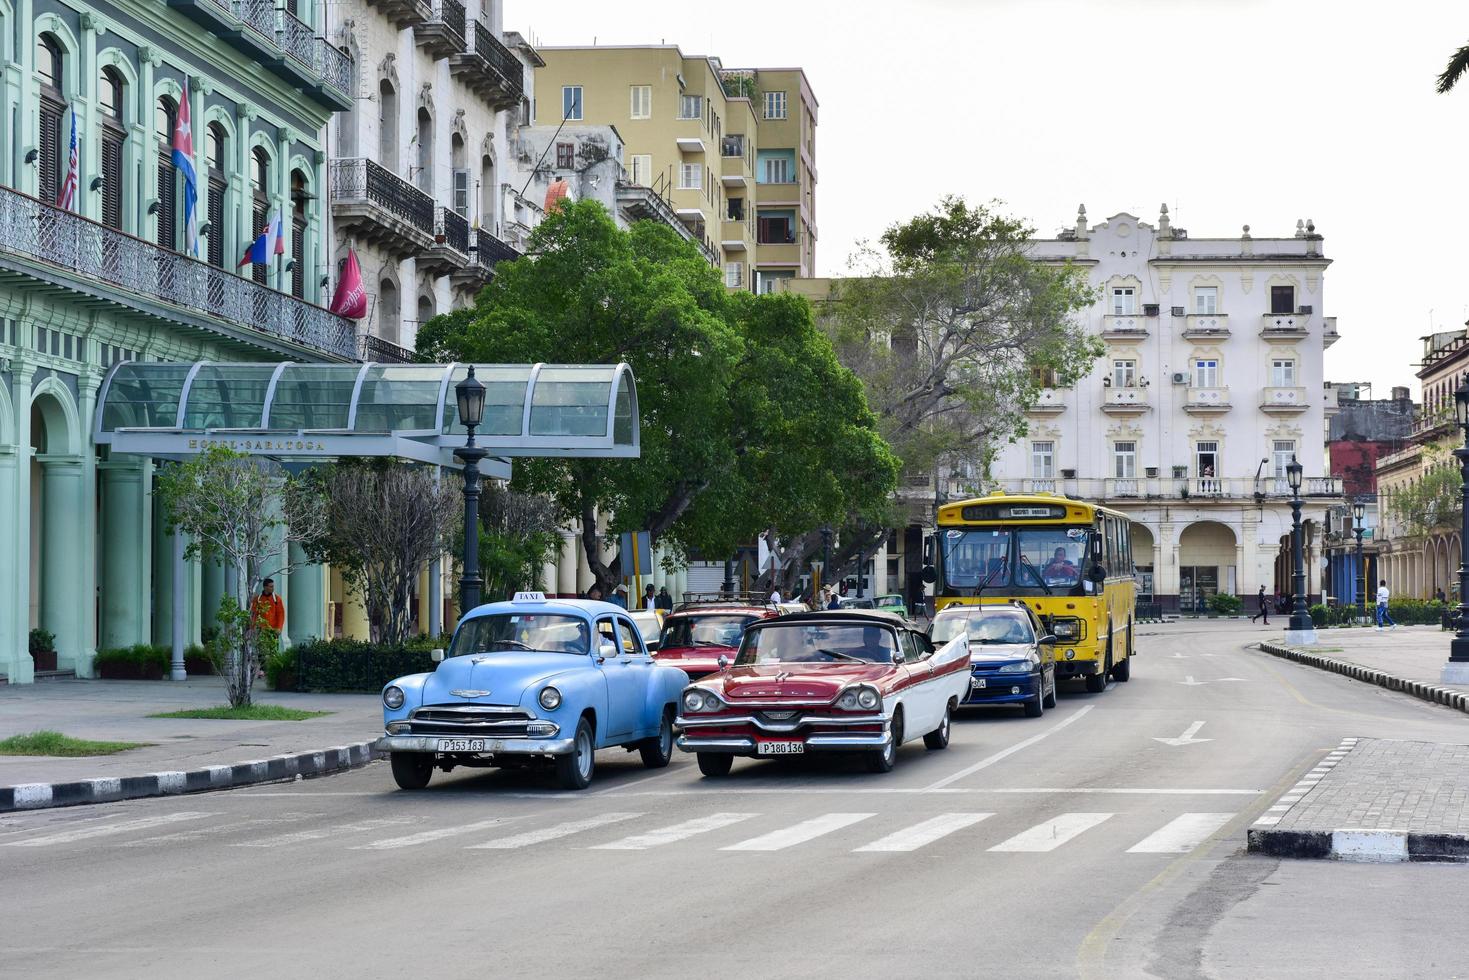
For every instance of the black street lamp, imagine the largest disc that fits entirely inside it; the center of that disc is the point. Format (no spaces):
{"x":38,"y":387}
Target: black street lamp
{"x":1359,"y":511}
{"x":470,"y":395}
{"x":1456,"y":671}
{"x":1300,"y":616}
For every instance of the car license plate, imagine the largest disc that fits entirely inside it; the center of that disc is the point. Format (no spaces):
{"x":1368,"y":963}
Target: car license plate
{"x":780,"y":748}
{"x":976,"y":683}
{"x":461,"y":745}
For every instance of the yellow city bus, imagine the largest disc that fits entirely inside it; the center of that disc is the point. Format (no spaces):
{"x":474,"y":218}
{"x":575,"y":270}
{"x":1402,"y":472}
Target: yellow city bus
{"x":1069,"y":561}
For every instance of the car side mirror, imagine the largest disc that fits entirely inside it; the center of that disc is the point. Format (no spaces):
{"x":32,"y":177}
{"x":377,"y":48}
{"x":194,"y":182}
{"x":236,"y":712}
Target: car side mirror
{"x":898,"y":656}
{"x":1048,"y":639}
{"x":437,"y":656}
{"x":723,"y":662}
{"x":606,"y":650}
{"x":929,"y":574}
{"x":1097,"y":574}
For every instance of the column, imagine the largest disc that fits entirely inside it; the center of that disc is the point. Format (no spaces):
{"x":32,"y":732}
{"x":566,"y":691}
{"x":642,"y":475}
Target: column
{"x":163,"y":575}
{"x":306,"y":610}
{"x":63,"y":556}
{"x":14,"y":566}
{"x":126,"y":610}
{"x":1165,"y":565}
{"x":88,"y":384}
{"x":355,"y":624}
{"x":436,"y":597}
{"x":566,"y":567}
{"x":423,"y":600}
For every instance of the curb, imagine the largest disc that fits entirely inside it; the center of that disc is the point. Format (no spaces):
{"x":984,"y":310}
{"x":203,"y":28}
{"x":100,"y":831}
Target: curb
{"x":280,"y":768}
{"x":1447,"y":696}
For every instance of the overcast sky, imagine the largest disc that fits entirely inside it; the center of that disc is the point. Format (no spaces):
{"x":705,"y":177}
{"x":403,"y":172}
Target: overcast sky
{"x":1234,"y":112}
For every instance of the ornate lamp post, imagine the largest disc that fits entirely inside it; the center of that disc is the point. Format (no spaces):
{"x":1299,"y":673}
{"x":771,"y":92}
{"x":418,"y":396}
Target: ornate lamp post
{"x":1359,"y":511}
{"x":1456,"y":671}
{"x":1300,"y":630}
{"x":470,"y":395}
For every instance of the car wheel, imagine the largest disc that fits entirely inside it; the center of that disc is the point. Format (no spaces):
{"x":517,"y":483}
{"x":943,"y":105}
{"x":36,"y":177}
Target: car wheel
{"x":884,"y":759}
{"x":657,"y":752}
{"x":574,"y":769}
{"x":715,"y":764}
{"x":939,"y":737}
{"x":1036,"y":706}
{"x":1050,"y":699}
{"x":411,"y":770}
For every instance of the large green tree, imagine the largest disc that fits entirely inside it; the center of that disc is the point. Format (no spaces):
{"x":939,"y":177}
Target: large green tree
{"x":749,"y":422}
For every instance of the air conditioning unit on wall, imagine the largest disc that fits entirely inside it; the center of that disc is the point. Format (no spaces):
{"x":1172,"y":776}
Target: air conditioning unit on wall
{"x":1150,"y":309}
{"x":1068,"y":474}
{"x":1152,"y":472}
{"x":1180,"y":377}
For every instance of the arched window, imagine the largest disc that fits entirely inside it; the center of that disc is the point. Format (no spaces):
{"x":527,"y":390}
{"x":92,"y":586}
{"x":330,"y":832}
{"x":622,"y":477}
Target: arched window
{"x":487,"y":192}
{"x":425,"y":151}
{"x":110,"y":102}
{"x":387,"y":311}
{"x":461,"y":175}
{"x":52,"y":107}
{"x":260,"y":202}
{"x":163,"y":116}
{"x":426,"y":310}
{"x":387,"y":125}
{"x":299,"y":197}
{"x":216,"y":153}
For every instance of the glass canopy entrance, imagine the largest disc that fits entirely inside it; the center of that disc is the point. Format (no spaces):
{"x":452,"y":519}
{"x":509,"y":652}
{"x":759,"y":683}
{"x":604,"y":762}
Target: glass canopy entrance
{"x":298,"y":412}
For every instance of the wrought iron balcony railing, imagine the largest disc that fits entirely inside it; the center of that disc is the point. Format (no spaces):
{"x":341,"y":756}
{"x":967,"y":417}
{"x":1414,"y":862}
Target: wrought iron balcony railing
{"x":455,"y":230}
{"x":442,"y":35}
{"x":360,"y":181}
{"x":258,"y":15}
{"x":384,"y":351}
{"x":216,"y":298}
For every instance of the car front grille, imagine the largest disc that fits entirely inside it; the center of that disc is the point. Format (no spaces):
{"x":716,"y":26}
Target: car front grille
{"x":467,"y":719}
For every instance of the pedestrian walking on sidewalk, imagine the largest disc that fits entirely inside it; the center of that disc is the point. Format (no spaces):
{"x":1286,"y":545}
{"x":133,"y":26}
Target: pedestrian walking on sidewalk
{"x":1383,"y":617}
{"x":1264,"y":608}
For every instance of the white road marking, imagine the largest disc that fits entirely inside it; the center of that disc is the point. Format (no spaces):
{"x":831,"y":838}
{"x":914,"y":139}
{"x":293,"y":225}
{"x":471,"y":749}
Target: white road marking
{"x":427,"y":836}
{"x":215,"y":830}
{"x":1181,"y":834}
{"x":552,"y":833}
{"x":302,"y":836}
{"x":1187,"y":738}
{"x":1190,"y":682}
{"x":916,"y":836}
{"x":92,"y":830}
{"x":1006,"y":753}
{"x":1053,"y":833}
{"x":778,"y":840}
{"x":675,"y":832}
{"x":925,"y":791}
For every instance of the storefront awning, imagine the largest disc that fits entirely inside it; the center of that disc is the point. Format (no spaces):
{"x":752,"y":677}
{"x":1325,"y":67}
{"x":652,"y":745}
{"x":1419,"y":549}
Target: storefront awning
{"x":297,"y":412}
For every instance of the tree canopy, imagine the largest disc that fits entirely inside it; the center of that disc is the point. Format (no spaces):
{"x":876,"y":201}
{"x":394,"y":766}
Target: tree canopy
{"x":749,"y":422}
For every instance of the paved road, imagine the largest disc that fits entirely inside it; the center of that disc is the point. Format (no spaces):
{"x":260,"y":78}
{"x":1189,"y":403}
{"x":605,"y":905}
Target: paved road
{"x":1073,"y":845}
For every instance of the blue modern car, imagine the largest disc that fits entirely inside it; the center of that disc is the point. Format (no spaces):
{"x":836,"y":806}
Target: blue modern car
{"x":1012,"y":658}
{"x":533,"y":681}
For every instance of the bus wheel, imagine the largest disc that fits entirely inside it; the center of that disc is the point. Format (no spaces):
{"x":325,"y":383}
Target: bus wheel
{"x":1097,"y":683}
{"x":1123,"y":671}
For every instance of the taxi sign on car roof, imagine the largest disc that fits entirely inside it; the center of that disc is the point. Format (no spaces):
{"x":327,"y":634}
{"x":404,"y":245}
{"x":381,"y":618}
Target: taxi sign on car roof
{"x":529,"y":597}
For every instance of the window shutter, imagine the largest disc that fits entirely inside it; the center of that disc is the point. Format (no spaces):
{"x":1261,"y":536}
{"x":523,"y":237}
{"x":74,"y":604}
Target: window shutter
{"x":257,"y":270}
{"x":298,"y":256}
{"x":112,"y":179}
{"x":165,"y":202}
{"x":50,"y":151}
{"x":216,"y":223}
{"x":461,"y":193}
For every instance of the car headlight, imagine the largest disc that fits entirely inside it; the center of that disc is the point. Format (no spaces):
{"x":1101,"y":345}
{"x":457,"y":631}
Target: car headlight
{"x":867,"y":699}
{"x":1070,"y":654}
{"x":848,"y":701}
{"x":696,"y":700}
{"x":393,"y":697}
{"x":1019,"y":667}
{"x":550,"y":698}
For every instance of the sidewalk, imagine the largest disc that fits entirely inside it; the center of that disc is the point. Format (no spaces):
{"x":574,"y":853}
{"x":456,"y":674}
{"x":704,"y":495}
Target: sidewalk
{"x":118,"y":711}
{"x":1415,"y":653}
{"x":1374,"y":800}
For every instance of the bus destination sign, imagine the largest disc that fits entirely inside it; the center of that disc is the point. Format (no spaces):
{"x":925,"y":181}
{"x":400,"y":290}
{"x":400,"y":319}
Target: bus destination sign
{"x":1013,"y":512}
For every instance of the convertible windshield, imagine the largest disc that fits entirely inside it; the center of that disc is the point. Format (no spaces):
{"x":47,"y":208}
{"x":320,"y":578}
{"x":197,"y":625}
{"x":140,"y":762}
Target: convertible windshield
{"x":984,"y":626}
{"x":508,"y":632}
{"x":705,"y":631}
{"x":825,"y":643}
{"x":976,"y":557}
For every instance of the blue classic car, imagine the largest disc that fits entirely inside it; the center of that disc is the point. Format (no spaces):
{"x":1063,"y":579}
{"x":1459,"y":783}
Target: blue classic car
{"x":533,"y":681}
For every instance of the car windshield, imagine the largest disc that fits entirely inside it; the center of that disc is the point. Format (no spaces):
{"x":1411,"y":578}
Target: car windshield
{"x":705,"y":631}
{"x":984,"y":626}
{"x":508,"y":632}
{"x":1055,"y":553}
{"x":789,"y":643}
{"x":975,"y":557}
{"x":890,"y":600}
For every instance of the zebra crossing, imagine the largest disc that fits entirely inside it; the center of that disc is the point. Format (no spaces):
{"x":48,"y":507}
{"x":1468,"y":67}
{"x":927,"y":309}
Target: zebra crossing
{"x":628,"y":831}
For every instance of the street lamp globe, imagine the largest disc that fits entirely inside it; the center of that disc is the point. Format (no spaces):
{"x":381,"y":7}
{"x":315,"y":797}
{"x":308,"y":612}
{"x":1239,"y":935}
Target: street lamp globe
{"x":1359,"y":511}
{"x":1461,"y":402}
{"x":1293,"y":471}
{"x":470,"y":395}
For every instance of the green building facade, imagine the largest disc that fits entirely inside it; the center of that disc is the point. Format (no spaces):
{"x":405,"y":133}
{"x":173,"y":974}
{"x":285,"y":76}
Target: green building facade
{"x":84,"y":553}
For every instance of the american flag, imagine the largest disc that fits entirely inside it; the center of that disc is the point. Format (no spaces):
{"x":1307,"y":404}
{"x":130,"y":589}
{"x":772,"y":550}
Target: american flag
{"x":66,"y":199}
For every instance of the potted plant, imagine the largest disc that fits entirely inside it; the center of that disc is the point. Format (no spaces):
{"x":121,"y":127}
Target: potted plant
{"x":43,"y":649}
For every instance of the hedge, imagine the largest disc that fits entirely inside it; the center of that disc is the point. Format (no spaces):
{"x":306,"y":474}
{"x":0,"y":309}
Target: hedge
{"x":148,"y":662}
{"x":349,"y":665}
{"x":1224,"y":603}
{"x":1408,"y":612}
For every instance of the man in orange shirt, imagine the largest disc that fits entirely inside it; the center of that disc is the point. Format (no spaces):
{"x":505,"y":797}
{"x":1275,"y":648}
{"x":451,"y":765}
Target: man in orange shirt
{"x":269,"y":608}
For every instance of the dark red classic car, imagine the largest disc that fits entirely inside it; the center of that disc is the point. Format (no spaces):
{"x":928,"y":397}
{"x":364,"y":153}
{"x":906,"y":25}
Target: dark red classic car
{"x":839,"y":681}
{"x":696,"y":635}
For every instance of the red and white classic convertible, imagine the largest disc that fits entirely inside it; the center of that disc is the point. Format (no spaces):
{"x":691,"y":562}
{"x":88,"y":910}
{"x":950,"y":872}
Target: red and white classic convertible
{"x":842,"y":681}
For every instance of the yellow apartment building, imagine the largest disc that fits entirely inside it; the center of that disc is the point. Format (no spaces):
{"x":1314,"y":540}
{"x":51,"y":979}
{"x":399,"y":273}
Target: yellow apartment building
{"x":733,"y":151}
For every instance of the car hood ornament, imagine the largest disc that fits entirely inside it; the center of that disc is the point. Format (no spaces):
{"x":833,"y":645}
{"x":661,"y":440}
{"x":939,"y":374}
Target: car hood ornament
{"x":469,"y":694}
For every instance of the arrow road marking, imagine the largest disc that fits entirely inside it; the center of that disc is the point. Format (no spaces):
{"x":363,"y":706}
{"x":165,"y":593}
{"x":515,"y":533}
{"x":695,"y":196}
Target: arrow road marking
{"x":1190,"y":682}
{"x":1187,"y":738}
{"x":1179,"y":656}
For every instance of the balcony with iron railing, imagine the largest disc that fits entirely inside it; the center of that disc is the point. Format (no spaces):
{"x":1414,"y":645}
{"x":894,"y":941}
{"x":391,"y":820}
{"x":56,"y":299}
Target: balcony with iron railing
{"x":381,"y":208}
{"x":316,"y":62}
{"x":442,"y":35}
{"x":403,"y":13}
{"x":486,"y":250}
{"x":1174,"y":488}
{"x":489,"y":69}
{"x":384,"y":351}
{"x":450,"y":250}
{"x":61,"y":249}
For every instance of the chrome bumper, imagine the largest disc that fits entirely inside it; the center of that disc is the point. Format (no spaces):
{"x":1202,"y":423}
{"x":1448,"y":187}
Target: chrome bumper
{"x":817,"y":743}
{"x":790,"y":725}
{"x":493,"y":746}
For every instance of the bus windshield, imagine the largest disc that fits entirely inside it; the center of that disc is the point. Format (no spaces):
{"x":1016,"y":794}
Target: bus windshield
{"x":975,"y":557}
{"x":1056,"y":554}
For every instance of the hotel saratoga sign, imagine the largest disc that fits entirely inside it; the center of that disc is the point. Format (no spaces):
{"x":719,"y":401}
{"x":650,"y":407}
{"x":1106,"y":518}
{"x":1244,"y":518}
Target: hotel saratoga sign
{"x":276,"y":445}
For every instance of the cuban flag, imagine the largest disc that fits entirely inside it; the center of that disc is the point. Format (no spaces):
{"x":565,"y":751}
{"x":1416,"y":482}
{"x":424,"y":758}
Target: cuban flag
{"x":183,"y":163}
{"x":66,"y":197}
{"x":268,"y":244}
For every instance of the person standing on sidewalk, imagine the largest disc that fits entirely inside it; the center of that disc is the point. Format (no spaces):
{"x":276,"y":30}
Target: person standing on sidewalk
{"x":1264,"y":608}
{"x":1382,"y":614}
{"x":269,"y":608}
